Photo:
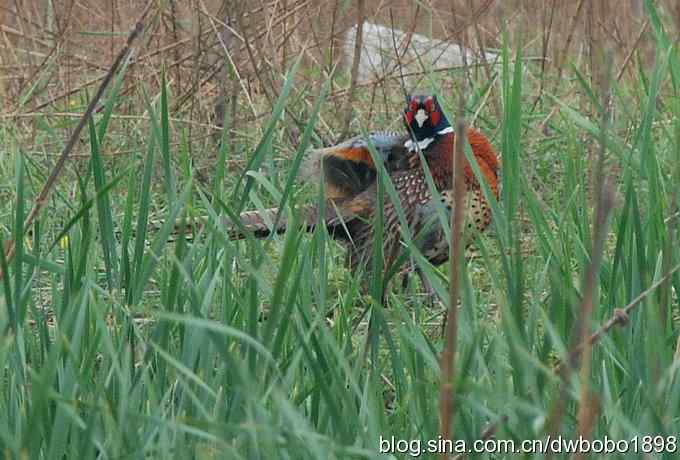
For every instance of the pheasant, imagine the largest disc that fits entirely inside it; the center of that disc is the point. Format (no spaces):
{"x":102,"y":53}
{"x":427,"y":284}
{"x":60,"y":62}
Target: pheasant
{"x":349,"y":176}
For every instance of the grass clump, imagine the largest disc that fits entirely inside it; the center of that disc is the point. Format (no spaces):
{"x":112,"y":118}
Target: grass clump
{"x":128,"y":331}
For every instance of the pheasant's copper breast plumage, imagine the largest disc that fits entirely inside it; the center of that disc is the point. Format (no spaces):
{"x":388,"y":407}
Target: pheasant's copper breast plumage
{"x":350,"y":176}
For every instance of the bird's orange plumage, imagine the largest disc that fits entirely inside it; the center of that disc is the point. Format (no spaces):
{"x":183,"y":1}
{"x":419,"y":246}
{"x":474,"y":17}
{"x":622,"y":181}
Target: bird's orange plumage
{"x":356,"y":154}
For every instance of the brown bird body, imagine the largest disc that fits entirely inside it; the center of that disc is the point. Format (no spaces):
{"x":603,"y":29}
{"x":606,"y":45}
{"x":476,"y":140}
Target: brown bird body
{"x":349,"y":176}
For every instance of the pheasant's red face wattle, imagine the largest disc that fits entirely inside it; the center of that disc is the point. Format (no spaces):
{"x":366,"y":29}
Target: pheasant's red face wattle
{"x":410,"y":112}
{"x":408,"y":117}
{"x":435,"y":116}
{"x":432,"y":111}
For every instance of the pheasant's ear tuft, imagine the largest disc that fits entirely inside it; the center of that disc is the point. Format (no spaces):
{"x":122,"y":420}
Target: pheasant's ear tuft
{"x":429,"y":104}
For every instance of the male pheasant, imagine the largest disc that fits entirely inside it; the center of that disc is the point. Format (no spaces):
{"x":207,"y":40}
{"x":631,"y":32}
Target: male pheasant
{"x":349,"y":176}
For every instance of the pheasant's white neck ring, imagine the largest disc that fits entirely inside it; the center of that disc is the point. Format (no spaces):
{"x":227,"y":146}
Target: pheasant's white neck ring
{"x":424,"y":143}
{"x":420,"y":117}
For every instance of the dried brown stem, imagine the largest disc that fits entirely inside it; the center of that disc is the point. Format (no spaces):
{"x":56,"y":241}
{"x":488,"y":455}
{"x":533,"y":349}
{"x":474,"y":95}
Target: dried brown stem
{"x":485,"y":64}
{"x":356,"y":60}
{"x":487,"y":434}
{"x":397,"y":55}
{"x":604,"y":204}
{"x":448,"y":357}
{"x":587,"y":411}
{"x":61,"y":161}
{"x":620,"y":316}
{"x":567,"y":44}
{"x":630,"y":54}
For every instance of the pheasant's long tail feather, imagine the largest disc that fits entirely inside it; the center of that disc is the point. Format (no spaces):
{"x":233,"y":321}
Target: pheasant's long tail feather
{"x":261,"y":224}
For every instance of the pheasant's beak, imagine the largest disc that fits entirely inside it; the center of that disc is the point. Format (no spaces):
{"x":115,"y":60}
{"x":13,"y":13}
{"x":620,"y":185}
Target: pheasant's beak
{"x":420,"y":117}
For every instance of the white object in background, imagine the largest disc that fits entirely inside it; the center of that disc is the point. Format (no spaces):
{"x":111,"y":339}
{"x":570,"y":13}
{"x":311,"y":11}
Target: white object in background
{"x":378,"y":55}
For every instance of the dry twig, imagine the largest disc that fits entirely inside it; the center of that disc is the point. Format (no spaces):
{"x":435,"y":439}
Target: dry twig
{"x":356,"y":60}
{"x":59,"y":166}
{"x":448,"y":357}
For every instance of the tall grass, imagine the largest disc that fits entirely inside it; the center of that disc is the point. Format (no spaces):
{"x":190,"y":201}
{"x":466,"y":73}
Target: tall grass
{"x":125,"y":337}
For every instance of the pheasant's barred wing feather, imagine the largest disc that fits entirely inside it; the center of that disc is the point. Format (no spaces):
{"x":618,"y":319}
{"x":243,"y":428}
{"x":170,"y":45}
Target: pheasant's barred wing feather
{"x":413,"y":194}
{"x":260,"y":224}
